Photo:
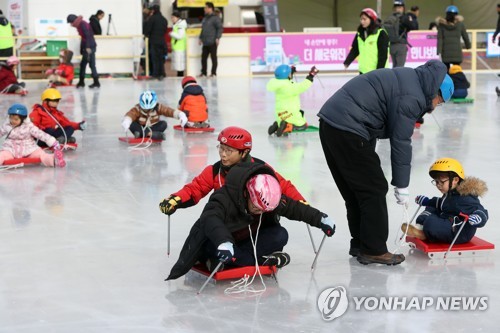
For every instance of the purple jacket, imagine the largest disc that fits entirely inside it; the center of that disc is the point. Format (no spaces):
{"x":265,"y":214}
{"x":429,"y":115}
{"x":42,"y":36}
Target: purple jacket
{"x":86,"y":33}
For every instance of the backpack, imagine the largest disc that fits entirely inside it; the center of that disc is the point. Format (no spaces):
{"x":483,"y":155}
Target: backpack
{"x":391,"y":25}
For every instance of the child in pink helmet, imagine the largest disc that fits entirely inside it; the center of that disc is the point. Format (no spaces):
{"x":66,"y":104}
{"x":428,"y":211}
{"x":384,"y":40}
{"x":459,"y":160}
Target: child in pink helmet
{"x":240,"y":223}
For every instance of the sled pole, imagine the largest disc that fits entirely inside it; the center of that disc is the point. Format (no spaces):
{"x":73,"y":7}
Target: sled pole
{"x":168,"y":237}
{"x":313,"y":266}
{"x":312,"y":240}
{"x":208,"y":279}
{"x":456,"y":236}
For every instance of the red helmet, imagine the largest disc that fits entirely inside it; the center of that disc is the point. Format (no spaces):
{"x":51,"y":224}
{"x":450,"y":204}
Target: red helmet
{"x":370,"y":13}
{"x":235,"y":137}
{"x":187,"y":79}
{"x":264,"y":191}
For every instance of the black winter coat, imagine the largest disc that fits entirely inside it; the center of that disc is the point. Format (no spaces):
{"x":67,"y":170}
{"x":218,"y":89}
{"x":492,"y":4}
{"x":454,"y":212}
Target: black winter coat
{"x":225,"y":216}
{"x":449,"y":44}
{"x":96,"y":26}
{"x":155,"y":29}
{"x":385,"y":104}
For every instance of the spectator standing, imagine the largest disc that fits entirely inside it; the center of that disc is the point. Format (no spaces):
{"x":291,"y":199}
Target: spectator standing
{"x":88,"y":47}
{"x":211,"y":32}
{"x":497,"y":31}
{"x":397,"y":26}
{"x":6,"y":40}
{"x":370,"y":45}
{"x":450,"y":31}
{"x":94,"y":22}
{"x":155,"y":29}
{"x":414,"y":13}
{"x":178,"y":42}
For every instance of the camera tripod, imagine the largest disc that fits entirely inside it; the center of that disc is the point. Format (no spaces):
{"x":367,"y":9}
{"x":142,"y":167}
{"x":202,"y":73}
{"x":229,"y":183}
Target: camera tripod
{"x":111,"y":23}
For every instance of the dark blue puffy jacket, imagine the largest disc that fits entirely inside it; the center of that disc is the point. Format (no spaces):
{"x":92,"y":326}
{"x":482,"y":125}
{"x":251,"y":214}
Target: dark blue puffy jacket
{"x":385,"y":104}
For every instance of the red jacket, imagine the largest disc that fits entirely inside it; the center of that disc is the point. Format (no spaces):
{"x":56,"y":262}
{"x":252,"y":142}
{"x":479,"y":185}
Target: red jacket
{"x":7,"y":77}
{"x":212,"y":178}
{"x":41,"y":118}
{"x":67,"y":72}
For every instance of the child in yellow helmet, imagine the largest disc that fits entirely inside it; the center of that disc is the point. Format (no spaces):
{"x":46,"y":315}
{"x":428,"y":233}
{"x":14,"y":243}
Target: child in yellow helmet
{"x":443,"y":217}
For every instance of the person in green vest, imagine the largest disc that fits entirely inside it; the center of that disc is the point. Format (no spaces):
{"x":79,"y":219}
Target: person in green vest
{"x":6,"y":40}
{"x":289,"y":116}
{"x":370,"y":45}
{"x":178,"y":42}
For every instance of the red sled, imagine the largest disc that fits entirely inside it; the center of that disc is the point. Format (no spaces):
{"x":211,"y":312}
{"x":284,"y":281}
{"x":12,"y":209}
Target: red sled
{"x":136,"y":141}
{"x":234,"y":273}
{"x":67,"y":146}
{"x":19,"y":162}
{"x":194,"y":129}
{"x":475,"y":247}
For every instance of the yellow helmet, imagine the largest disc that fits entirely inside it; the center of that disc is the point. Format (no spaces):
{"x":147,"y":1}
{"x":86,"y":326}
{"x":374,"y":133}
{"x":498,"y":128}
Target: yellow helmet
{"x":51,"y":93}
{"x":446,"y":164}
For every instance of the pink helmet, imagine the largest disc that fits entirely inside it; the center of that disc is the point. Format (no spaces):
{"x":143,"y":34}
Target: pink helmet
{"x":264,"y":191}
{"x":370,"y":13}
{"x":12,"y":60}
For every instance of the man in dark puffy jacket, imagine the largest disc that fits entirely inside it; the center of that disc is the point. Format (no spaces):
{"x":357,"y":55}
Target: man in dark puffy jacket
{"x":382,"y":104}
{"x":155,"y":29}
{"x":246,"y":208}
{"x":211,"y":32}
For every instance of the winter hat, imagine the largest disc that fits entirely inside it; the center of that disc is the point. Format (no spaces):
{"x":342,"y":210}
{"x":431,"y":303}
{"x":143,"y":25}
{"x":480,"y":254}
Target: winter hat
{"x":187,"y":79}
{"x":370,"y":13}
{"x":176,"y":13}
{"x":71,"y":18}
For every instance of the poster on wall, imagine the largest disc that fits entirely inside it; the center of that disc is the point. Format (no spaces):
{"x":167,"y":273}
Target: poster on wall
{"x":327,"y":51}
{"x":51,"y":27}
{"x":15,"y":15}
{"x":492,"y":48}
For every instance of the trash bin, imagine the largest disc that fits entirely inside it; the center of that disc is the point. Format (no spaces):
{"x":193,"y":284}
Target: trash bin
{"x":54,"y":46}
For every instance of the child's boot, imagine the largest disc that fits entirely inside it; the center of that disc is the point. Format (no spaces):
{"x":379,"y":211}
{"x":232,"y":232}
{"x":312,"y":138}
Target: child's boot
{"x":59,"y":159}
{"x":413,"y":231}
{"x":273,"y":128}
{"x":158,"y":136}
{"x":284,"y":128}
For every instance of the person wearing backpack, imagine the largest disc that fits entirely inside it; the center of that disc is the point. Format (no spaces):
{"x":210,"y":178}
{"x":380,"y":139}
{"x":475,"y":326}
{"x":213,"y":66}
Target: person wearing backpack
{"x":370,"y":45}
{"x":450,"y":31}
{"x":397,"y":26}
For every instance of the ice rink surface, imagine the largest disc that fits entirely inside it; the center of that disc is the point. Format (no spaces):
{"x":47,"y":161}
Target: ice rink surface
{"x":83,"y":249}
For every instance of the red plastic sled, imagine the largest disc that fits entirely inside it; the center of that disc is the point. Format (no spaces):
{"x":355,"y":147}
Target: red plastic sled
{"x":433,"y":250}
{"x":234,"y":273}
{"x":136,"y":141}
{"x":24,"y":161}
{"x":194,"y":130}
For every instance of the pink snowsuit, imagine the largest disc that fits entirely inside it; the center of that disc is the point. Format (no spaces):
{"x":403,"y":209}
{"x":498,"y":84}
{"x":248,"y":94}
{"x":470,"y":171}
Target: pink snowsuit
{"x":20,"y":143}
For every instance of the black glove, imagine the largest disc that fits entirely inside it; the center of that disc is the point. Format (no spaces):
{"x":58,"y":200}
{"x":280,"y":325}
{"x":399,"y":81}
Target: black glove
{"x":168,"y":206}
{"x":293,"y":69}
{"x":225,"y":252}
{"x":312,"y":73}
{"x":327,"y":225}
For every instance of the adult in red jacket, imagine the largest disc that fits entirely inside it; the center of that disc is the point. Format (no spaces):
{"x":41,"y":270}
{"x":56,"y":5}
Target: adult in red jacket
{"x":235,"y":145}
{"x":52,"y":121}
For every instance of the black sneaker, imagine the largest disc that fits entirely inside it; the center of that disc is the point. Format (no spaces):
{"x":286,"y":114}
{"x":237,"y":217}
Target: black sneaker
{"x":354,"y":251}
{"x":71,"y":139}
{"x":158,"y":135}
{"x":61,"y":140}
{"x":273,"y":128}
{"x":387,"y":258}
{"x":281,"y":129}
{"x":137,"y":135}
{"x":278,"y":259}
{"x":80,"y":84}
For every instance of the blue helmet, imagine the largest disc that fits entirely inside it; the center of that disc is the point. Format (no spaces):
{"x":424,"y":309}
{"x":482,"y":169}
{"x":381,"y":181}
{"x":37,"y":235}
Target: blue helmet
{"x":18,"y":109}
{"x":282,"y":72}
{"x":452,"y":9}
{"x":447,"y":88}
{"x":148,"y":100}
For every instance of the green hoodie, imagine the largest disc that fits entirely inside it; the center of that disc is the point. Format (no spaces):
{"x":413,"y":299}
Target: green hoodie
{"x":288,"y":100}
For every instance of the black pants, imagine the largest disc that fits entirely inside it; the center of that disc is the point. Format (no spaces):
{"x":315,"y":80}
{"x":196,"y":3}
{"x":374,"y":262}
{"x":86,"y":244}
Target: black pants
{"x":160,"y":126}
{"x":205,"y":51}
{"x":7,"y":52}
{"x":56,"y":133}
{"x":158,"y":52}
{"x":355,"y":167}
{"x":87,"y":59}
{"x":271,"y":239}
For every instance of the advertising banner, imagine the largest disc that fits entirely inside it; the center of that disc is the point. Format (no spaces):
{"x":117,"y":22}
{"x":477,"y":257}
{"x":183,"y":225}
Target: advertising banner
{"x":326,"y":51}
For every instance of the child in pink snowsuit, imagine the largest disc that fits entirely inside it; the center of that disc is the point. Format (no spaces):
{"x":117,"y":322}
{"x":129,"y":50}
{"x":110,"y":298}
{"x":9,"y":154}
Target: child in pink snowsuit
{"x":19,"y":142}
